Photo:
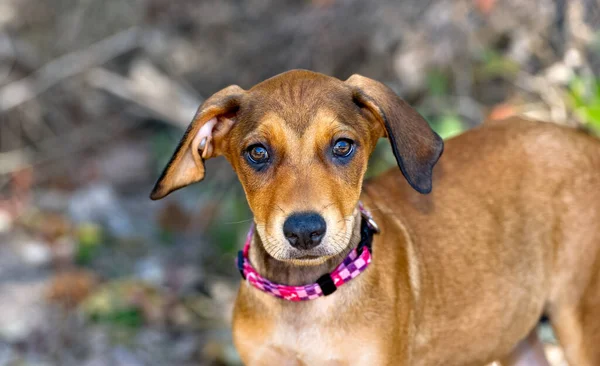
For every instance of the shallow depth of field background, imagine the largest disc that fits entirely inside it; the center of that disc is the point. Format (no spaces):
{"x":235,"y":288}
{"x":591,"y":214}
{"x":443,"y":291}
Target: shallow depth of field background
{"x":94,"y":95}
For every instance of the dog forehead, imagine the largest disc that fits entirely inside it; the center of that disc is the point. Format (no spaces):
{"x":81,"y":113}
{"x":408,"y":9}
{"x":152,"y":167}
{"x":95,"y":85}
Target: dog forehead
{"x":322,"y":123}
{"x":299,"y":99}
{"x":296,"y":81}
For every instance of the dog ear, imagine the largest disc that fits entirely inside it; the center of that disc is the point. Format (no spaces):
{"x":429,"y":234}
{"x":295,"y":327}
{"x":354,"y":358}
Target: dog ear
{"x":415,"y":145}
{"x":203,"y":139}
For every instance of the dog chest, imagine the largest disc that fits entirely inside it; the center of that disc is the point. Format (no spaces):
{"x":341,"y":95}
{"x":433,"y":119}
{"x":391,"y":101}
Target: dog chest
{"x":317,"y":345}
{"x":319,"y":332}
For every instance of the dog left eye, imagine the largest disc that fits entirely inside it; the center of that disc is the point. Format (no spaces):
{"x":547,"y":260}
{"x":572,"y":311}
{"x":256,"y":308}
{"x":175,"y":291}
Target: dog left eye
{"x":343,"y":148}
{"x":257,"y":154}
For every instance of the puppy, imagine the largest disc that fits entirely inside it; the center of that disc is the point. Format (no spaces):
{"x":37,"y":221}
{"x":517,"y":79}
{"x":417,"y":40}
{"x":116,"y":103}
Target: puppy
{"x":387,"y":273}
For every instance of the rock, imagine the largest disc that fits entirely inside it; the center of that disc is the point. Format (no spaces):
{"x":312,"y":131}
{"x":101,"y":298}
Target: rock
{"x":35,"y":253}
{"x":124,"y":357}
{"x":64,"y":249}
{"x":125,"y":163}
{"x":7,"y":354}
{"x":52,"y":200}
{"x":100,"y":203}
{"x":150,"y":270}
{"x":100,"y":343}
{"x":97,"y":360}
{"x":223,"y":293}
{"x":559,"y":73}
{"x":184,"y":278}
{"x":21,"y":309}
{"x":555,"y":355}
{"x":6,"y":221}
{"x":184,"y":348}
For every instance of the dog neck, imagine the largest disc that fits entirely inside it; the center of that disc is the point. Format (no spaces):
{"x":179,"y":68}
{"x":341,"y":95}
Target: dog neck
{"x":295,"y":275}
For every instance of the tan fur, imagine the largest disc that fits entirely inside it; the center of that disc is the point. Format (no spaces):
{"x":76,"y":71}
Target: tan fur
{"x":460,"y":276}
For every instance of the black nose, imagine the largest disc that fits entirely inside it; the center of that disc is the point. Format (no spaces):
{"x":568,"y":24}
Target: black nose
{"x":304,"y":230}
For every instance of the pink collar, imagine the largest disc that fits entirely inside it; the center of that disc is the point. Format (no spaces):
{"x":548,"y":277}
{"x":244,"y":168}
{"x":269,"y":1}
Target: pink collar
{"x":354,"y":264}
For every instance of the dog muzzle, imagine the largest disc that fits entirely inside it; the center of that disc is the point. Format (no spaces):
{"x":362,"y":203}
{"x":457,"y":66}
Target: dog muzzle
{"x":353,"y":265}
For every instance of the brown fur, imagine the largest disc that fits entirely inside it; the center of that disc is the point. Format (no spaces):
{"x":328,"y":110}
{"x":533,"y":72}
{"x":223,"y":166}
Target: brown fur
{"x":510,"y":230}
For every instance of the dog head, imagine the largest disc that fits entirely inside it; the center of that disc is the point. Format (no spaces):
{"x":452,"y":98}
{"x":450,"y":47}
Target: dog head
{"x":299,"y":143}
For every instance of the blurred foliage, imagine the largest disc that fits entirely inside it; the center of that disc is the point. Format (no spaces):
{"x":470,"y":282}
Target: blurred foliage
{"x":163,"y":143}
{"x":234,"y":218}
{"x":438,"y":83}
{"x":89,"y":237}
{"x":584,"y":96}
{"x":448,"y":125}
{"x":381,"y":160}
{"x":120,"y":303}
{"x":493,"y":63}
{"x":444,"y":119}
{"x":128,"y":317}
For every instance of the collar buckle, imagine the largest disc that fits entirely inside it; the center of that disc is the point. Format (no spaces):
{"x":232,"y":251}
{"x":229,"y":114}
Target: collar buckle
{"x":326,"y":284}
{"x":372,"y":224}
{"x":240,"y":263}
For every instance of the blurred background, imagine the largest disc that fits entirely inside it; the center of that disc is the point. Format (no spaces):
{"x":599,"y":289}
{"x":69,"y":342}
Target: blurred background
{"x":95,"y":94}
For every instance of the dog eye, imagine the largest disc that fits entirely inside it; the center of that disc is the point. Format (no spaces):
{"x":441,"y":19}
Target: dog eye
{"x":343,"y":148}
{"x":257,"y":154}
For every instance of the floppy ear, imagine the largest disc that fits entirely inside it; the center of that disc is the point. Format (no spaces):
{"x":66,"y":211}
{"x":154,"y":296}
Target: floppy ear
{"x":415,"y":145}
{"x":203,"y":139}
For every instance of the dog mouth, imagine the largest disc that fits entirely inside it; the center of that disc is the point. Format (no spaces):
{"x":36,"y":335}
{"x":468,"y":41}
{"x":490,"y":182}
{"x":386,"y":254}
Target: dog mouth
{"x":316,"y":256}
{"x":308,"y":260}
{"x":308,"y":257}
{"x":331,"y":246}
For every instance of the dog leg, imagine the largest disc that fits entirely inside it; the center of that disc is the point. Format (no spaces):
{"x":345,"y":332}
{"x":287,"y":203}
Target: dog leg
{"x":578,"y":329}
{"x":589,"y":313}
{"x":529,"y":352}
{"x":569,"y":331}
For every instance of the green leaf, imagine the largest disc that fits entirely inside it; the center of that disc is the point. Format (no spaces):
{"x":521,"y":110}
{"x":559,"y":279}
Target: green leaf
{"x":448,"y":126}
{"x":437,"y":83}
{"x":577,"y":91}
{"x":593,"y":115}
{"x":496,"y":65}
{"x":89,"y":237}
{"x":131,"y":318}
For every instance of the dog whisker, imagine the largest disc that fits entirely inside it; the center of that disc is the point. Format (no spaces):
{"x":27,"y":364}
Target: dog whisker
{"x":325,"y":207}
{"x":238,"y":222}
{"x":280,"y":209}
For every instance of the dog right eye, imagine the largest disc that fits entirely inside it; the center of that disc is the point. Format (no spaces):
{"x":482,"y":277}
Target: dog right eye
{"x":257,"y":154}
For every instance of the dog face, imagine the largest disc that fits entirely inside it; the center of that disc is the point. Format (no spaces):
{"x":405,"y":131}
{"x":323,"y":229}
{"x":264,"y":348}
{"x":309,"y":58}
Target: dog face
{"x":299,"y":143}
{"x":301,"y":158}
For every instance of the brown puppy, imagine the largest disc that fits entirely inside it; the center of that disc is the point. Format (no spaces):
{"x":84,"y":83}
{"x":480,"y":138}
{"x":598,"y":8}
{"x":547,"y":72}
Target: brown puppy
{"x":460,"y":276}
